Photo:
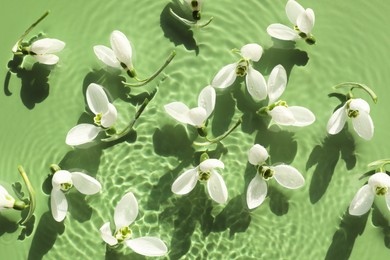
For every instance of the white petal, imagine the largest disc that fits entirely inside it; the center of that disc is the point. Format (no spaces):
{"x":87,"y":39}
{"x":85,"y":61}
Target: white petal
{"x":288,"y":176}
{"x":363,"y":125}
{"x":97,"y":99}
{"x":257,"y":154}
{"x":256,"y":193}
{"x":61,"y":177}
{"x":282,"y":115}
{"x":126,"y":211}
{"x":6,"y":200}
{"x":186,"y":182}
{"x":106,"y":55}
{"x":206,"y":99}
{"x":197,"y":116}
{"x":252,"y":51}
{"x":48,"y":59}
{"x":256,"y":85}
{"x":225,"y":77}
{"x":210,"y":164}
{"x":178,"y":111}
{"x":277,"y":82}
{"x":47,"y":45}
{"x":337,"y":121}
{"x":109,"y":118}
{"x":217,"y":188}
{"x":106,"y":235}
{"x":59,"y":205}
{"x":82,"y":134}
{"x":360,"y":105}
{"x":302,"y":115}
{"x":293,"y":11}
{"x":305,"y":21}
{"x":282,"y":32}
{"x":122,"y":48}
{"x":362,"y":201}
{"x":148,"y":246}
{"x":387,"y":197}
{"x":85,"y":184}
{"x":379,"y":179}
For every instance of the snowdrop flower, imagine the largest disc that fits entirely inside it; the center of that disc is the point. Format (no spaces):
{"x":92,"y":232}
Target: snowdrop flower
{"x":105,"y":117}
{"x":6,"y":200}
{"x":205,"y":172}
{"x":255,"y":81}
{"x":196,"y":116}
{"x":125,"y":213}
{"x":285,"y":175}
{"x":62,"y":182}
{"x":194,"y":7}
{"x":359,"y":111}
{"x":303,"y":21}
{"x":281,"y":113}
{"x":378,"y":184}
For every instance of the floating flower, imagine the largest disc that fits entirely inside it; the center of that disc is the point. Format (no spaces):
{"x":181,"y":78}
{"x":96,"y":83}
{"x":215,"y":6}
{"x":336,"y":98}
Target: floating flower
{"x":378,"y":184}
{"x":194,"y":7}
{"x":105,"y":117}
{"x":303,"y":21}
{"x":255,"y":81}
{"x":125,"y":213}
{"x":359,"y":111}
{"x":6,"y":200}
{"x":204,"y":172}
{"x":62,"y":182}
{"x":285,"y":175}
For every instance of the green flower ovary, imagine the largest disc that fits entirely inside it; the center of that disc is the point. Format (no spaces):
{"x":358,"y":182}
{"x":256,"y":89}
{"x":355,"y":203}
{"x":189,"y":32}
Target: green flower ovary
{"x":123,"y":234}
{"x":98,"y":119}
{"x":204,"y":176}
{"x":242,"y":67}
{"x":353,"y":113}
{"x":66,"y":186}
{"x":380,"y":191}
{"x":266,"y":172}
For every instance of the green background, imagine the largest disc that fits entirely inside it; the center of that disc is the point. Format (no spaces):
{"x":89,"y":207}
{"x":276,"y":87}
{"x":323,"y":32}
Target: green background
{"x":40,"y":104}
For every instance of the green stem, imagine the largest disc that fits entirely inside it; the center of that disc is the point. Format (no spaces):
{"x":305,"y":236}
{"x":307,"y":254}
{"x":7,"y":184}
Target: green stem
{"x":54,"y":168}
{"x":31,"y":193}
{"x":353,"y":85}
{"x":381,"y":163}
{"x":146,"y":81}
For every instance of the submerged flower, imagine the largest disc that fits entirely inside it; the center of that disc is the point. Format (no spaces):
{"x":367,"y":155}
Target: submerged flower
{"x":125,"y":213}
{"x":303,"y":21}
{"x":206,"y":172}
{"x":196,"y":116}
{"x":105,"y":117}
{"x":378,"y":184}
{"x":62,"y":182}
{"x":6,"y":200}
{"x":359,"y":111}
{"x":255,"y":81}
{"x":285,"y":175}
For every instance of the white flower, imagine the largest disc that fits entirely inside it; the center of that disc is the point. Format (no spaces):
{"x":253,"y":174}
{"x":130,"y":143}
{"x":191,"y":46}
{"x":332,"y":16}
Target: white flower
{"x":359,"y":112}
{"x":303,"y":21}
{"x":105,"y":117}
{"x":6,"y":200}
{"x":196,"y":116}
{"x":125,"y":213}
{"x":255,"y":81}
{"x":285,"y":175}
{"x":42,"y":50}
{"x":281,"y":113}
{"x":378,"y":184}
{"x":64,"y":180}
{"x":205,"y":171}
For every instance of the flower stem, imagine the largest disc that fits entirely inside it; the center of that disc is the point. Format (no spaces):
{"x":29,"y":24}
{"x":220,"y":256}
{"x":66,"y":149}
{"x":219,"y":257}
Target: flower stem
{"x":381,"y":163}
{"x":353,"y":85}
{"x":31,"y":193}
{"x":54,"y":168}
{"x":146,"y":81}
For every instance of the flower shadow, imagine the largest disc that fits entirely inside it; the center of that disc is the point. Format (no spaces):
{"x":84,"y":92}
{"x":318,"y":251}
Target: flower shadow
{"x":113,"y":254}
{"x":379,"y":220}
{"x":325,"y":156}
{"x":7,"y":226}
{"x":278,"y":203}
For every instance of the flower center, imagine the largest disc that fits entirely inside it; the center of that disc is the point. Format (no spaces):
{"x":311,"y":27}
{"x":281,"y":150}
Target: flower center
{"x":123,"y":234}
{"x":266,"y":172}
{"x":66,"y":186}
{"x":353,"y":113}
{"x":380,"y":191}
{"x":204,"y":176}
{"x":242,"y":67}
{"x":98,"y":119}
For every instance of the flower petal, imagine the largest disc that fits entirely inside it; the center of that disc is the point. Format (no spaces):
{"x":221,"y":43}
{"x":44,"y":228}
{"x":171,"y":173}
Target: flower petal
{"x":282,"y":115}
{"x":85,"y":183}
{"x":288,"y":176}
{"x":122,"y":48}
{"x":293,"y":11}
{"x":360,"y":105}
{"x":387,"y":197}
{"x":363,"y":125}
{"x":82,"y":134}
{"x":305,"y":21}
{"x":256,"y":193}
{"x":210,"y":164}
{"x":225,"y":77}
{"x":109,"y":118}
{"x":61,"y":177}
{"x":379,"y":179}
{"x":48,"y":59}
{"x":206,"y":99}
{"x":106,"y":55}
{"x":217,"y":187}
{"x":337,"y":120}
{"x":47,"y":45}
{"x":282,"y":32}
{"x":97,"y":99}
{"x":256,"y":85}
{"x":186,"y":182}
{"x":59,"y":205}
{"x":6,"y":200}
{"x":257,"y":155}
{"x":362,"y":201}
{"x":197,"y":116}
{"x":302,"y":115}
{"x":126,"y":211}
{"x":277,"y":82}
{"x":105,"y":232}
{"x":251,"y":51}
{"x":178,"y":111}
{"x":148,"y":246}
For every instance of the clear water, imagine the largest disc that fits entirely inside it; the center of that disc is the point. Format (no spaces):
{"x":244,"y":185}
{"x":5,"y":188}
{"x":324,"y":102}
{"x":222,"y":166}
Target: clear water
{"x":39,"y":106}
